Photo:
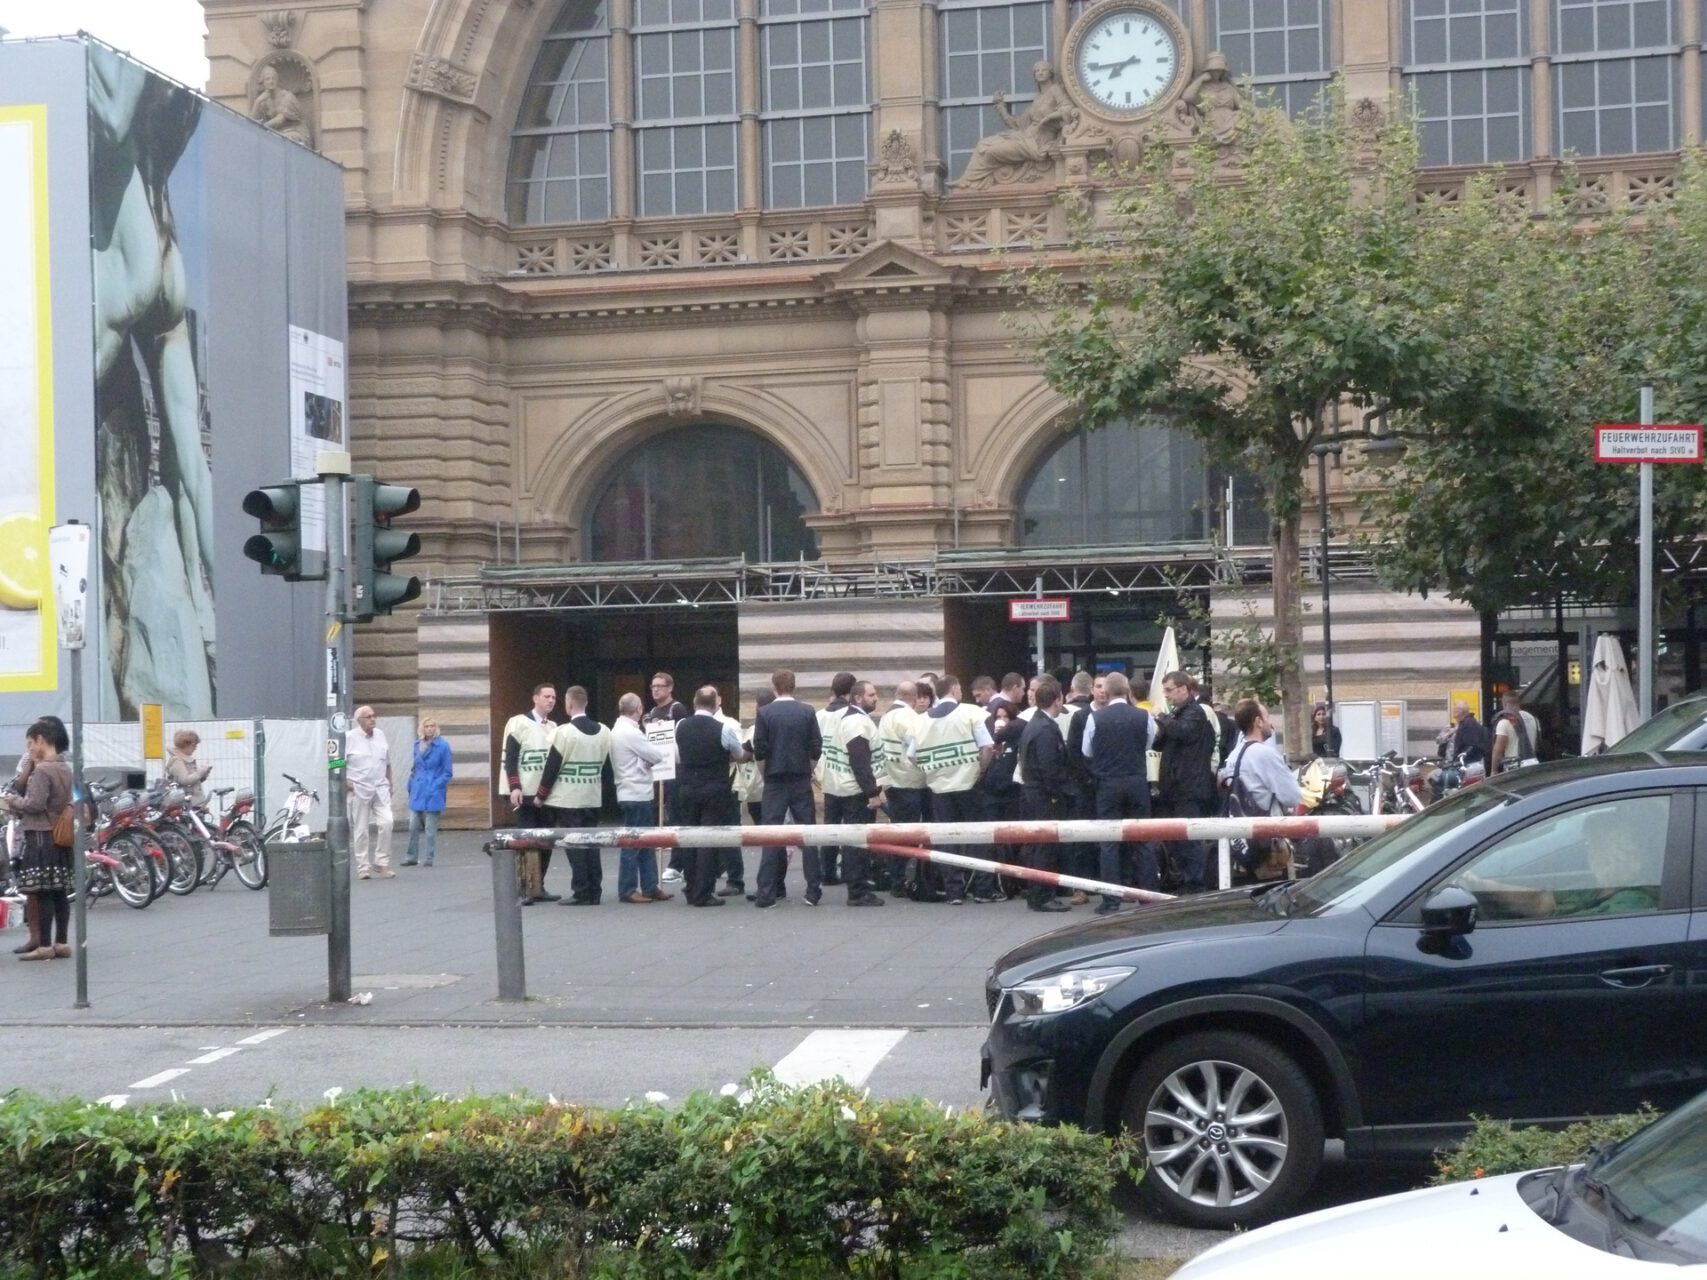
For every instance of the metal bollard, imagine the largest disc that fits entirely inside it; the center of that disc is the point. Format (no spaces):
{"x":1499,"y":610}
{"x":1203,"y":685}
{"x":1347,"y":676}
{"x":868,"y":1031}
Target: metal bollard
{"x":507,"y":922}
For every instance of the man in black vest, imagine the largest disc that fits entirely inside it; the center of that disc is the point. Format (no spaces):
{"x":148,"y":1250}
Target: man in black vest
{"x":1087,"y":693}
{"x":705,"y":748}
{"x":665,"y":708}
{"x":1117,"y":742}
{"x":1047,"y":793}
{"x":786,"y":738}
{"x":1188,"y":738}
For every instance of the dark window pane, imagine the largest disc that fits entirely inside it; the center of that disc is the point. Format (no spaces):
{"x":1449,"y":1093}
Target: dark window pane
{"x":1505,"y":139}
{"x":1428,"y":43}
{"x":1432,"y":100}
{"x":1464,"y":42}
{"x":1304,"y":51}
{"x":1653,"y":129}
{"x":1614,"y":83}
{"x":1653,"y":23}
{"x":1505,"y":89}
{"x":1612,"y":27}
{"x":1576,"y":84}
{"x":579,"y":15}
{"x":1436,"y":148}
{"x":1574,"y":31}
{"x":1467,"y":141}
{"x":1269,"y":53}
{"x":1466,"y":93}
{"x":1578,"y":133}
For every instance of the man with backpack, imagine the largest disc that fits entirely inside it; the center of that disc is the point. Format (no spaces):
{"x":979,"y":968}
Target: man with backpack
{"x":1257,"y":781}
{"x":1516,"y":734}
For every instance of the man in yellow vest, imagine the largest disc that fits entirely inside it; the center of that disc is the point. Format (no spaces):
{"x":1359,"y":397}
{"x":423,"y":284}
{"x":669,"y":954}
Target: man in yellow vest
{"x":527,"y":743}
{"x":851,"y":790}
{"x":573,"y":785}
{"x":903,"y":781}
{"x":953,"y":747}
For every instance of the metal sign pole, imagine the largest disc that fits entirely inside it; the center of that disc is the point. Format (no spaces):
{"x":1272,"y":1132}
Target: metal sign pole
{"x":1645,"y":595}
{"x":334,"y":470}
{"x":68,"y":552}
{"x":1039,"y":632}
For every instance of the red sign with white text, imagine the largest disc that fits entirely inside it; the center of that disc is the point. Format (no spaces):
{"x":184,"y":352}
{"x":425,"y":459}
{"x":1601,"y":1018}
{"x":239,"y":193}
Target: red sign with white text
{"x":1633,"y":442}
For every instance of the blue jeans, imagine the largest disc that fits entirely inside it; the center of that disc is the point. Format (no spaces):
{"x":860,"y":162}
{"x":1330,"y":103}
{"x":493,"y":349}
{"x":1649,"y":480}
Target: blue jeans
{"x":422,"y":820}
{"x":637,"y":869}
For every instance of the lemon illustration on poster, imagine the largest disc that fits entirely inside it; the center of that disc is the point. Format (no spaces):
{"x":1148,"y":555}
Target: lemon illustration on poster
{"x":27,"y":651}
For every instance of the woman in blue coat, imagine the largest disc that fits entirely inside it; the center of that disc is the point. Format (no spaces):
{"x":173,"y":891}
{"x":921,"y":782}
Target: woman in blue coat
{"x":428,"y":778}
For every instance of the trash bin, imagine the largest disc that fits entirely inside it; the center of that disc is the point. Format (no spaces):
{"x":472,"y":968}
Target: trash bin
{"x":299,"y":888}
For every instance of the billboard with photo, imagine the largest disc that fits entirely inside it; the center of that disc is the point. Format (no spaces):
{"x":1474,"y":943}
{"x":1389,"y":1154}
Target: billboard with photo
{"x":198,"y":244}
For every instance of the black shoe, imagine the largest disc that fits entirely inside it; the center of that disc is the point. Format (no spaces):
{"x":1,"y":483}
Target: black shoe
{"x":830,"y":880}
{"x":732,"y":891}
{"x":411,"y":864}
{"x":1107,"y":908}
{"x":762,"y":903}
{"x":581,"y":902}
{"x":1050,"y":904}
{"x":707,"y":902}
{"x":551,"y":897}
{"x":899,"y":891}
{"x":529,"y":899}
{"x":866,"y":900}
{"x":812,"y":897}
{"x":955,"y":902}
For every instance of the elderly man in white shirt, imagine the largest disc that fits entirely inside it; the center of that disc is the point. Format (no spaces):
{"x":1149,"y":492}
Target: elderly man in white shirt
{"x":367,"y":777}
{"x":632,"y":756}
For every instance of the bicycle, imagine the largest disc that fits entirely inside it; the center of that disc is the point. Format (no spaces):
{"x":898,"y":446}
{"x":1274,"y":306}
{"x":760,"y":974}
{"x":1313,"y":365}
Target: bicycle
{"x":231,"y":843}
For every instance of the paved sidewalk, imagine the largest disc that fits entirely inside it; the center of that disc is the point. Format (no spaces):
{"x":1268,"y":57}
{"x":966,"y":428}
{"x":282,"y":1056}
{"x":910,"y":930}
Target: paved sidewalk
{"x":423,"y":945}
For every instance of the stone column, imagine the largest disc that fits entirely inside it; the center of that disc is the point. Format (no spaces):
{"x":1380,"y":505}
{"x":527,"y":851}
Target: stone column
{"x":1689,"y":36}
{"x":1367,"y":51}
{"x":622,"y":108}
{"x":749,"y":93}
{"x":903,"y":69}
{"x":1541,"y":77}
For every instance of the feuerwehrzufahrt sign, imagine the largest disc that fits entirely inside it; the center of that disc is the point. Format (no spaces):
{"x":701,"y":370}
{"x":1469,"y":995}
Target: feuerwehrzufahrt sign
{"x":1036,"y":609}
{"x":1633,"y":442}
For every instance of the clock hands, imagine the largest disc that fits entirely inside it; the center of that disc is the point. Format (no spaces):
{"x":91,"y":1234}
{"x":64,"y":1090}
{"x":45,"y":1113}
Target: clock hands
{"x":1115,"y":67}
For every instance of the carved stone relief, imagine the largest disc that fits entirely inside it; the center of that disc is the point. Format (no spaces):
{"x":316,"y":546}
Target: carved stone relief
{"x":681,"y":396}
{"x":282,"y":97}
{"x":441,"y":79}
{"x":897,"y":162}
{"x":281,"y":27}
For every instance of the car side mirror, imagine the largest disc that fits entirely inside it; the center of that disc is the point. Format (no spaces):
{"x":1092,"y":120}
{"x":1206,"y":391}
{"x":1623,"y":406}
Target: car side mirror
{"x":1450,"y":910}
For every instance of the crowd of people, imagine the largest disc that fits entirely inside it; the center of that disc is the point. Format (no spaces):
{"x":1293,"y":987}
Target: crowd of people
{"x":1039,"y":749}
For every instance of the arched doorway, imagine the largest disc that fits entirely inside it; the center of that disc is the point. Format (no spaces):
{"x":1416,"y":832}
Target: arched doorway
{"x":699,"y":491}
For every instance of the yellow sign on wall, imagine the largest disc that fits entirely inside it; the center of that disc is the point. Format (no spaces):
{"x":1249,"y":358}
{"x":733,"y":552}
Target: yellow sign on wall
{"x":153,"y":732}
{"x":1471,"y":696}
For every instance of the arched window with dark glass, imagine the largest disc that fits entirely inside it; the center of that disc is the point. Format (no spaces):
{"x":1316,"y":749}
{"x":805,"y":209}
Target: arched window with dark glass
{"x":703,"y":491}
{"x":1134,"y":482}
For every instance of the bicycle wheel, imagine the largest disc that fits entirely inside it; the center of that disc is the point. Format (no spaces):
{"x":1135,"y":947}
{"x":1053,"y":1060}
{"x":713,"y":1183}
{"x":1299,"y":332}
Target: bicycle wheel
{"x":133,"y":877}
{"x":182,"y":867}
{"x":250,"y":863}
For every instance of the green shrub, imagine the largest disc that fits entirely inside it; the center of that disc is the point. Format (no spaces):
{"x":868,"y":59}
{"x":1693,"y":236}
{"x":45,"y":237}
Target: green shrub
{"x":767,"y":1182}
{"x":1493,"y":1147}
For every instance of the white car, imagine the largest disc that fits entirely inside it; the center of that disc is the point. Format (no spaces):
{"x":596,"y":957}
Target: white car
{"x":1637,"y":1209}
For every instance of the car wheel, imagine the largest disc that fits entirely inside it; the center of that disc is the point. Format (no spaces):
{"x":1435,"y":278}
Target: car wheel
{"x":1230,"y":1126}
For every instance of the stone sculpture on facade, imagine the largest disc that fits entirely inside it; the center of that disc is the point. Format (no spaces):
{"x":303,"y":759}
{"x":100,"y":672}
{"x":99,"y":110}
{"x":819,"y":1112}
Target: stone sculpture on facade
{"x":1025,"y":151}
{"x":278,"y":108}
{"x":897,"y":162}
{"x":1211,"y":104}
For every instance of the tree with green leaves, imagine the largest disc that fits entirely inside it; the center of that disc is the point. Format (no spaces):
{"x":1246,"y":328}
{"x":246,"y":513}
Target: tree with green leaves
{"x":1557,"y":320}
{"x":1248,"y":302}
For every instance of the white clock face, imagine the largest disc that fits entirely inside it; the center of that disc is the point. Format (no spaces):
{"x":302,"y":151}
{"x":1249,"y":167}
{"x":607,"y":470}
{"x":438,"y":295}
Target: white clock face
{"x":1126,"y":60}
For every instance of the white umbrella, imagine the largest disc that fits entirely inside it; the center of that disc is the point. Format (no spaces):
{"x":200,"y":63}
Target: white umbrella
{"x":1609,"y":706}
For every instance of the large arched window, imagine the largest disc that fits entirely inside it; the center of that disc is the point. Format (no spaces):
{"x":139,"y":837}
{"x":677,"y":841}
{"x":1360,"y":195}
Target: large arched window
{"x":1133,"y":483}
{"x":700,"y":491}
{"x":560,"y":157}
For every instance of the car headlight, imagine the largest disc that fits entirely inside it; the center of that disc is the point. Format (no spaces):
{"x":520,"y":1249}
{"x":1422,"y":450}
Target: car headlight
{"x":1065,"y":990}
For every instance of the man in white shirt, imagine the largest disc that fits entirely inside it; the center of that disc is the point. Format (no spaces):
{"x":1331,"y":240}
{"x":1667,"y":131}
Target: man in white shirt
{"x":632,"y":755}
{"x":1258,"y":780}
{"x":367,"y":777}
{"x":1516,"y":734}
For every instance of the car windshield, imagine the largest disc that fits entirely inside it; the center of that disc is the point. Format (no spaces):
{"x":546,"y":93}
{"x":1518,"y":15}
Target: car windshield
{"x":1364,"y":871}
{"x":1658,"y":1179}
{"x":1660,"y":732}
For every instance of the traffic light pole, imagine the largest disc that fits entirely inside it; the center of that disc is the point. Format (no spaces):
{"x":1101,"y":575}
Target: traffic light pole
{"x":334,"y":471}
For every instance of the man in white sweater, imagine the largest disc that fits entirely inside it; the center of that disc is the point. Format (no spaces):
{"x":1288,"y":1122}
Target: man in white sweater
{"x":632,"y":755}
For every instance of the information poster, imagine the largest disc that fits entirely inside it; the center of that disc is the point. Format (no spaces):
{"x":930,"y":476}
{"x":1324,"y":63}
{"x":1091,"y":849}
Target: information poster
{"x":663,"y":733}
{"x":317,"y":416}
{"x":27,"y":652}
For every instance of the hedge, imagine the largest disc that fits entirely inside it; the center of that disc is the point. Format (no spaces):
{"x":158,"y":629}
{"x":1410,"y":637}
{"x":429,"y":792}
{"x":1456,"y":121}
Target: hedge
{"x":1494,"y":1147}
{"x":758,"y":1182}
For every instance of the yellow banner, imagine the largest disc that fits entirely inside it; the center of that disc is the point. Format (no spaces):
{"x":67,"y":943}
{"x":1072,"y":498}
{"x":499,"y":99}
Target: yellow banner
{"x":153,"y":732}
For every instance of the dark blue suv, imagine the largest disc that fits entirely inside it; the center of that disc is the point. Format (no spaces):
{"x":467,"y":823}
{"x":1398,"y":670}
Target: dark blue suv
{"x":1534,"y":948}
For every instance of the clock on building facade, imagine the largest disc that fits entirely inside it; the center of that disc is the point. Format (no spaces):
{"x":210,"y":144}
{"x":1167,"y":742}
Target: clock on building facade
{"x":1124,"y":57}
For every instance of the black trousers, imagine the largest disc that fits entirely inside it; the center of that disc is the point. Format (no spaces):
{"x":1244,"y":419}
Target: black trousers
{"x":729,"y":862}
{"x":586,"y":866}
{"x":1081,"y":858}
{"x":1190,"y":857}
{"x":963,"y":806}
{"x":695,"y":807}
{"x":906,"y":805}
{"x":856,"y":860}
{"x":1036,"y":805}
{"x":532,"y":814}
{"x":786,"y":799}
{"x":1127,"y":797}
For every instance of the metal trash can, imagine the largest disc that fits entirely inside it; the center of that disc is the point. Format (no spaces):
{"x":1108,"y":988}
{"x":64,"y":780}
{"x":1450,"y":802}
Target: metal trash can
{"x":299,"y":888}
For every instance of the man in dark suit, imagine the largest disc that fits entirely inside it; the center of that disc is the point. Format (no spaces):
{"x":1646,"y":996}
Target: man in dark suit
{"x":1117,"y":741}
{"x":1188,"y":738}
{"x":1047,"y":793}
{"x":786,"y":738}
{"x":705,"y":748}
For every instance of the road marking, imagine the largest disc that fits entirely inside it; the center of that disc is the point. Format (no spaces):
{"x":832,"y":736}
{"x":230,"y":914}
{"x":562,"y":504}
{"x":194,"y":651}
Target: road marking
{"x":261,"y":1036}
{"x":215,"y":1056}
{"x":160,"y":1078}
{"x":825,"y":1055}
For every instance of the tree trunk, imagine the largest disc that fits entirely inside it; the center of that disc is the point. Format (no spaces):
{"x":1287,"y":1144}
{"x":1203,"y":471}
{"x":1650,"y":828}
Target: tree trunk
{"x":1289,"y":636}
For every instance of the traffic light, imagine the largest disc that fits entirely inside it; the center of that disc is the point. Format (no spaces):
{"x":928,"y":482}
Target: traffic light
{"x":374,"y":545}
{"x":278,"y":547}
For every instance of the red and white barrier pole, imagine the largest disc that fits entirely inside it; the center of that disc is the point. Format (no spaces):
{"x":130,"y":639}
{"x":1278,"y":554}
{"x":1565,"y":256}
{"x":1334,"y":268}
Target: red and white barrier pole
{"x":1092,"y":831}
{"x":1021,"y":873}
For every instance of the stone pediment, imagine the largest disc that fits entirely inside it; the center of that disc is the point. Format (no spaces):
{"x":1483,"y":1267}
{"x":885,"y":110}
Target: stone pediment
{"x":888,"y":267}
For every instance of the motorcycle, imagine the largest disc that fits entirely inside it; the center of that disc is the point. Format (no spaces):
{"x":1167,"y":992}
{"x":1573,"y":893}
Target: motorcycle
{"x":1328,"y":792}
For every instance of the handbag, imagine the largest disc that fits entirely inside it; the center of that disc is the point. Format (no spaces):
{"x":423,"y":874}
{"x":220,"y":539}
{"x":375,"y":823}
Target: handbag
{"x":63,"y":830}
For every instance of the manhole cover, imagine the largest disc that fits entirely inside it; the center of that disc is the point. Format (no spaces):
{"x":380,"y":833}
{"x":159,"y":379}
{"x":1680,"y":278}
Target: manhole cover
{"x":404,"y":981}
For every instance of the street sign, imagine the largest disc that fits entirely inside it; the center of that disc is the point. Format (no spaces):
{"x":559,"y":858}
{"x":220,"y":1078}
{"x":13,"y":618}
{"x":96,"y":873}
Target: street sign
{"x":1033,"y":609}
{"x":1632,"y":442}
